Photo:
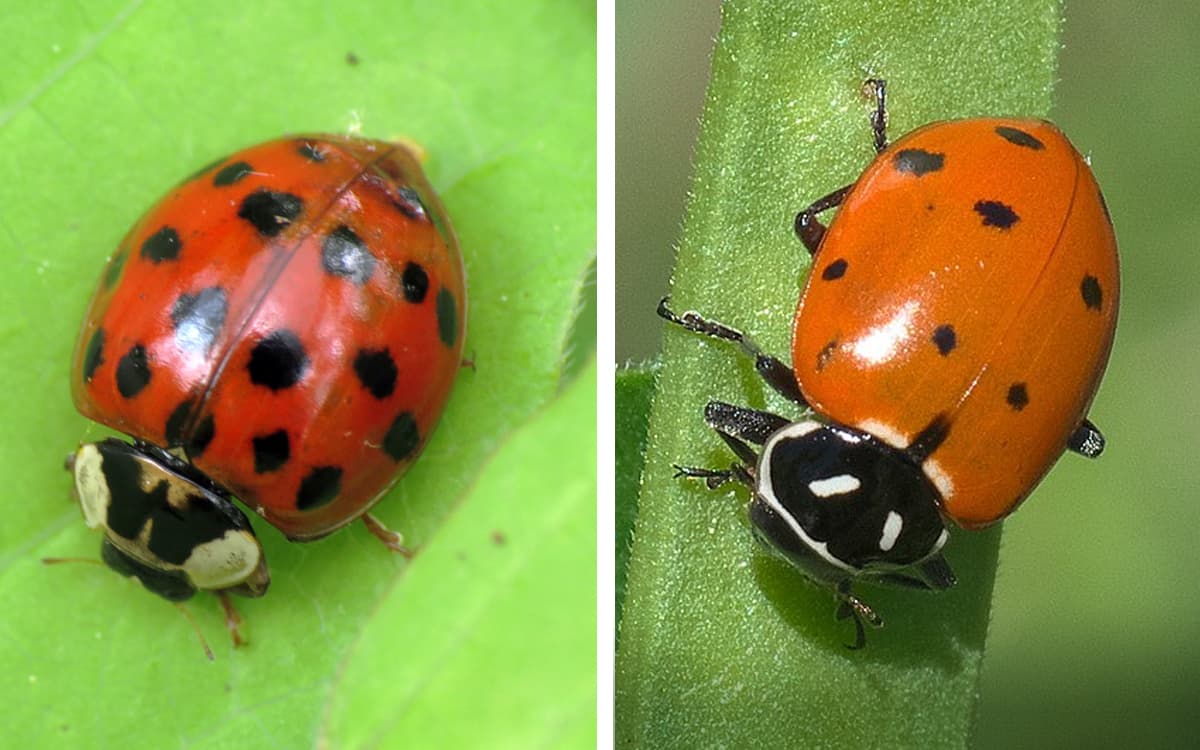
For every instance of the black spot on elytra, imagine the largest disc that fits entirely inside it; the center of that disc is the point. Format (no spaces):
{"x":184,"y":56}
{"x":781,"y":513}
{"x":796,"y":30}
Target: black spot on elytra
{"x":133,"y":372}
{"x":344,"y":254}
{"x":231,"y":173}
{"x":278,"y":361}
{"x":409,"y":203}
{"x":1017,"y":397}
{"x":162,"y":245}
{"x":834,"y":270}
{"x":115,"y":266}
{"x":177,"y":422}
{"x":1093,"y":296}
{"x":271,"y":451}
{"x":202,"y":435}
{"x":917,"y":161}
{"x":945,"y":339}
{"x":415,"y":283}
{"x":929,"y":439}
{"x":376,"y":370}
{"x":270,"y":212}
{"x":402,"y":437}
{"x":825,"y":356}
{"x":1019,"y":137}
{"x":996,"y":214}
{"x":311,"y":152}
{"x":93,"y":357}
{"x":198,"y":318}
{"x":447,"y":317}
{"x":319,"y":488}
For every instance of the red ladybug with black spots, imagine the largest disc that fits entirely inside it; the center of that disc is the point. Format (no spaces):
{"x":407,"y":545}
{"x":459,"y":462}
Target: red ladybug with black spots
{"x":283,"y":327}
{"x":948,"y":344}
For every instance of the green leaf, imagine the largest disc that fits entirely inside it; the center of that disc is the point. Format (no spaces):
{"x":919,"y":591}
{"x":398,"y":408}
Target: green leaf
{"x":634,"y":389}
{"x":721,"y":645}
{"x":106,"y":105}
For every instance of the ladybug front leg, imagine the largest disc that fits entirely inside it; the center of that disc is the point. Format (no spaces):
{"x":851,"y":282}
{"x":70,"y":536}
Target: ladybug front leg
{"x":778,"y":375}
{"x":809,"y":228}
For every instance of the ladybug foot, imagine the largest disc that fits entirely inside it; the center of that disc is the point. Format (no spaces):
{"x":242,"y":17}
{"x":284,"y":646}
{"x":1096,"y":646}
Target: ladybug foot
{"x":393,"y":540}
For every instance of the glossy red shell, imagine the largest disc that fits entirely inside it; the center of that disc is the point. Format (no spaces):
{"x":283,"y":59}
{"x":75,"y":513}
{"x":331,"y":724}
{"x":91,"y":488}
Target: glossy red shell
{"x":970,"y":275}
{"x":292,"y":317}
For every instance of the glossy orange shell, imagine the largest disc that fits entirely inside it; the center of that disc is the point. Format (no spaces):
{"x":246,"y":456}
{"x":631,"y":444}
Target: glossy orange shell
{"x":969,"y":275}
{"x":292,"y":317}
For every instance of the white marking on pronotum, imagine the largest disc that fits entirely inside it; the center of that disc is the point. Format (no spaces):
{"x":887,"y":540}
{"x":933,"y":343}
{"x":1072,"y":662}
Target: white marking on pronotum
{"x":939,"y":477}
{"x":891,"y":531}
{"x":766,"y":491}
{"x":884,"y":432}
{"x":842,"y":484}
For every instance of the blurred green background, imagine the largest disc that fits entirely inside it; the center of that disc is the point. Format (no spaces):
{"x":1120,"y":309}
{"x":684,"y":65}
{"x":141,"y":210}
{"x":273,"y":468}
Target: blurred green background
{"x":1097,"y":607}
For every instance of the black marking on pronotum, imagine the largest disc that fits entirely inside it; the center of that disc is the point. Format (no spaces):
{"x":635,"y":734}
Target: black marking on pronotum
{"x":929,"y":439}
{"x":447,"y":317}
{"x":945,"y":339}
{"x":415,"y":283}
{"x":198,"y":318}
{"x":319,"y":488}
{"x":996,"y":214}
{"x":376,"y":370}
{"x":231,"y":174}
{"x":918,"y":162}
{"x":1019,"y":137}
{"x":1017,"y":396}
{"x":161,"y":246}
{"x":133,"y":372}
{"x":271,"y":451}
{"x":344,"y":254}
{"x":402,"y":437}
{"x":834,"y":270}
{"x":270,"y":212}
{"x":94,"y":356}
{"x":1093,"y":296}
{"x":278,"y":361}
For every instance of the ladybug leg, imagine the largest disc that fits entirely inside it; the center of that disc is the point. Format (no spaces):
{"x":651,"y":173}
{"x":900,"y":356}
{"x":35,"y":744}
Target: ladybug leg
{"x":715,"y":478}
{"x":1086,"y":440}
{"x":746,"y":424}
{"x":778,"y":375}
{"x":232,"y":619}
{"x":809,"y":228}
{"x":393,"y":540}
{"x":850,"y":606}
{"x":879,"y":116}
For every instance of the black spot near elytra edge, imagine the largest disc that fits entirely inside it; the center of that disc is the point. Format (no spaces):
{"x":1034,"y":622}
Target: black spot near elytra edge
{"x":1093,"y":296}
{"x":311,"y":152}
{"x":415,"y":283}
{"x":1017,"y":397}
{"x":834,"y":270}
{"x":1019,"y":137}
{"x":270,"y":212}
{"x":93,"y":356}
{"x":917,"y":161}
{"x":198,"y":318}
{"x":162,"y":245}
{"x":271,"y":451}
{"x":178,"y":421}
{"x":319,"y":488}
{"x":447,"y":317}
{"x":203,"y":434}
{"x":344,"y":254}
{"x":409,"y":203}
{"x":996,"y":214}
{"x":945,"y":339}
{"x":376,"y":370}
{"x":115,"y":266}
{"x":402,"y":437}
{"x":278,"y":361}
{"x":929,"y":439}
{"x":231,"y":173}
{"x":133,"y":372}
{"x":826,"y":354}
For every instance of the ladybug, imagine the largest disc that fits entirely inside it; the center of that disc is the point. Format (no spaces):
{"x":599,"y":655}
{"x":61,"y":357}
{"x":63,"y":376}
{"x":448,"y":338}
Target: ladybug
{"x":947,"y":344}
{"x":283,"y":327}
